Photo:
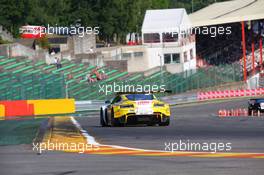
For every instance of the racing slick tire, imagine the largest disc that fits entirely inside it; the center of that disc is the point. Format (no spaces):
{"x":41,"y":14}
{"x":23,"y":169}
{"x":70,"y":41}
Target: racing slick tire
{"x":165,"y":123}
{"x":250,"y":112}
{"x":114,"y":121}
{"x":102,"y":122}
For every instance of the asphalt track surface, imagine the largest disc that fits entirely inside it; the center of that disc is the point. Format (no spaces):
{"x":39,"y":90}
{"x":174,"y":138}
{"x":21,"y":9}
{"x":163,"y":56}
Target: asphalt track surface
{"x":190,"y":123}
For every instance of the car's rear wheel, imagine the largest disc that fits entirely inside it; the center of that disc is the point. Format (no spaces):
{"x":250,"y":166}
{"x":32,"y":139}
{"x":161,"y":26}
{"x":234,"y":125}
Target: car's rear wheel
{"x":151,"y":123}
{"x":166,"y":122}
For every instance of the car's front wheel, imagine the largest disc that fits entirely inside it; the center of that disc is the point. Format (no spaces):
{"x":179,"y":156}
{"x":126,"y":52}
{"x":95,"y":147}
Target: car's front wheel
{"x":114,"y":121}
{"x":249,"y":112}
{"x":102,"y":121}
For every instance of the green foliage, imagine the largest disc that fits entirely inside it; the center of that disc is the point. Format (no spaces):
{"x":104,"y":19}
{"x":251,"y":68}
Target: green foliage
{"x":14,"y":132}
{"x":43,"y":42}
{"x":3,"y":41}
{"x":114,"y":17}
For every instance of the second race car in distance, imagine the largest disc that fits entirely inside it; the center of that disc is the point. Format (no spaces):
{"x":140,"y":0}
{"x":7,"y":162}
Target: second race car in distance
{"x":255,"y":105}
{"x":135,"y":108}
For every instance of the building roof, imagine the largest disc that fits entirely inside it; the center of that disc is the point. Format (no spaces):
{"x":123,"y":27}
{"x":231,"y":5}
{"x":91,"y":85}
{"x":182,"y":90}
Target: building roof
{"x":228,"y":12}
{"x":167,"y":20}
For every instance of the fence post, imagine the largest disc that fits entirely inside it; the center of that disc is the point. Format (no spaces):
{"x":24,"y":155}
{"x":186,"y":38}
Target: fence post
{"x":66,"y":90}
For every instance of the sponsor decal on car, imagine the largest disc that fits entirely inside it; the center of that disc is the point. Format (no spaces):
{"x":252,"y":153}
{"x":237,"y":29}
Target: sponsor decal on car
{"x":144,"y":107}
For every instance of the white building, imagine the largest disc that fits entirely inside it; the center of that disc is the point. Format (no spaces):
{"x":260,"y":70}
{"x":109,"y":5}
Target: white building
{"x":166,"y":42}
{"x":166,"y":33}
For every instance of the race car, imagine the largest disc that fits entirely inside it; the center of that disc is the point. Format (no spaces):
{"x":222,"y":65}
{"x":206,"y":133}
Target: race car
{"x":134,"y":108}
{"x":255,"y":105}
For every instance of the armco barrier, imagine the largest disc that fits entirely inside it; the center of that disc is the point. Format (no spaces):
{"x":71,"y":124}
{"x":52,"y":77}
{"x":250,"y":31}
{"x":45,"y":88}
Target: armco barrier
{"x":89,"y":105}
{"x":180,"y":98}
{"x":2,"y":110}
{"x":36,"y":107}
{"x":229,"y":94}
{"x":94,"y":105}
{"x":17,"y":108}
{"x":56,"y":106}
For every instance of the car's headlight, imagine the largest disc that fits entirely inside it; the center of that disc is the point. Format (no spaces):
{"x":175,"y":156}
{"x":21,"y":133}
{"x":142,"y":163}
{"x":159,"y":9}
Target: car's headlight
{"x":127,"y":106}
{"x":159,"y":105}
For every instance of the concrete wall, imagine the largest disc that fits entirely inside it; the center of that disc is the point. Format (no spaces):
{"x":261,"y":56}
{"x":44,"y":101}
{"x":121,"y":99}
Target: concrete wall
{"x":155,"y":57}
{"x":135,"y":63}
{"x":174,"y":68}
{"x":82,"y":45}
{"x":16,"y":49}
{"x":110,"y":53}
{"x":21,"y":50}
{"x":4,"y":50}
{"x":120,"y":65}
{"x":152,"y":71}
{"x":6,"y":35}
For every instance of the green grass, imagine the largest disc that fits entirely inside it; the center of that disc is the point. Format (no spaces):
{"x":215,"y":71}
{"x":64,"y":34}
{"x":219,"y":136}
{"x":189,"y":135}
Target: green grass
{"x":14,"y":132}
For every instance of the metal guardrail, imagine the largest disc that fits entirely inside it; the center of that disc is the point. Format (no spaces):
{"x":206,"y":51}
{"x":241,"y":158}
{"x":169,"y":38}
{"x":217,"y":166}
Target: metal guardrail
{"x":178,"y":99}
{"x":89,"y":105}
{"x":94,"y":105}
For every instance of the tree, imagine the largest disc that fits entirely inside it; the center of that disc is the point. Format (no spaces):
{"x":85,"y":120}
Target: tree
{"x":115,"y":18}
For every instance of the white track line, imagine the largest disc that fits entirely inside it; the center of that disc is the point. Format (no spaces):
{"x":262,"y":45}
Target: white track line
{"x":91,"y":140}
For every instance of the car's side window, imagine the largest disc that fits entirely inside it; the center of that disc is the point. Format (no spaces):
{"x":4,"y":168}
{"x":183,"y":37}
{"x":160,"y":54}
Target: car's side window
{"x":116,"y":100}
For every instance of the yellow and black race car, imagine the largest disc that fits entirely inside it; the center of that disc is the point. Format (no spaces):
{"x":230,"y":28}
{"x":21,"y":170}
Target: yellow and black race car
{"x":134,"y":108}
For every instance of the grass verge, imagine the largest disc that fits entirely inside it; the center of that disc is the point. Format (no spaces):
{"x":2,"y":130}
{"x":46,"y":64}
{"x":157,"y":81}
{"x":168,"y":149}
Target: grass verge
{"x":14,"y":132}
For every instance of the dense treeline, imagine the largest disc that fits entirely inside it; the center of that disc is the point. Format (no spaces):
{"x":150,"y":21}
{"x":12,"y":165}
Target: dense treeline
{"x":114,"y":17}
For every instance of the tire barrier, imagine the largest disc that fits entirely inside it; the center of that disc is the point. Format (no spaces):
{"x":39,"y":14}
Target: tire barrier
{"x":241,"y":112}
{"x":229,"y":94}
{"x":232,"y":113}
{"x":36,"y":107}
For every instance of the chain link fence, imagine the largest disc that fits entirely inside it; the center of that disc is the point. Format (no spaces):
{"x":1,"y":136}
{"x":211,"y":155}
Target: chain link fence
{"x":31,"y":86}
{"x":52,"y":85}
{"x":177,"y":83}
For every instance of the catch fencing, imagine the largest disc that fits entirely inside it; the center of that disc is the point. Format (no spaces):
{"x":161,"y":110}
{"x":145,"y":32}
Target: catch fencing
{"x":31,"y":86}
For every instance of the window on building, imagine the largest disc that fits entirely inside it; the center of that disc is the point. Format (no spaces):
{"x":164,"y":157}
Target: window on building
{"x":191,"y":54}
{"x":151,"y":38}
{"x":138,"y":54}
{"x":185,"y":56}
{"x":171,"y":58}
{"x":170,"y":37}
{"x":126,"y":55}
{"x":167,"y":58}
{"x":176,"y":58}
